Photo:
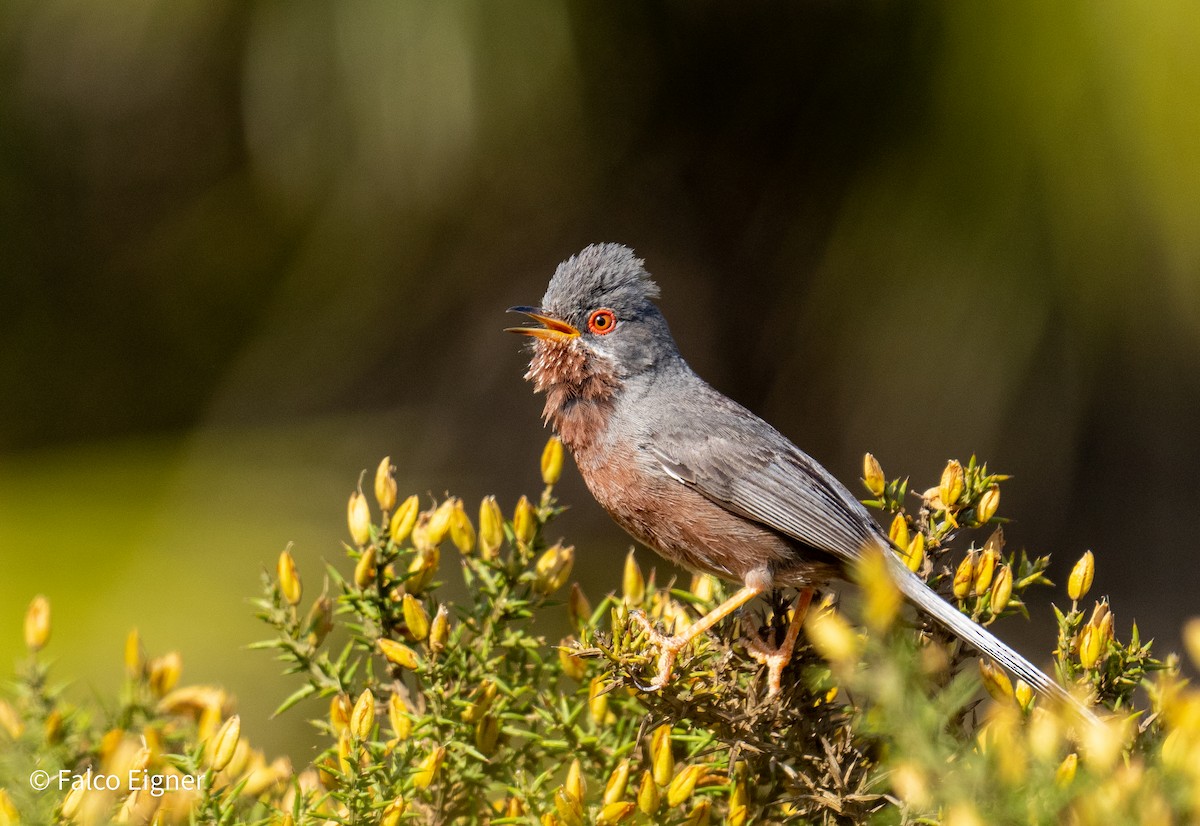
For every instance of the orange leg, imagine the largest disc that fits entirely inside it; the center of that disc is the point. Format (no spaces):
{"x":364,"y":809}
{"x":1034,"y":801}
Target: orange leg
{"x":669,"y":647}
{"x":775,"y":659}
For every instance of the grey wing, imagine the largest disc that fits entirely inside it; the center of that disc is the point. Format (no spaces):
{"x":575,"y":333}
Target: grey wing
{"x":772,"y":482}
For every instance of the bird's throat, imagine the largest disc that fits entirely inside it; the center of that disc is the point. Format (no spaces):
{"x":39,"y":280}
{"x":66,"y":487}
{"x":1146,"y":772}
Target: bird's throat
{"x":579,"y":388}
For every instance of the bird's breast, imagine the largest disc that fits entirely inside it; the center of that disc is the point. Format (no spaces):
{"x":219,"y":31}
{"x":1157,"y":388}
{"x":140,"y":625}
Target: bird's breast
{"x":682,"y":525}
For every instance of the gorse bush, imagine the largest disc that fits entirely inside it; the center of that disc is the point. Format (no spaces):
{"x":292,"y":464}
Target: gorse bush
{"x":475,"y":710}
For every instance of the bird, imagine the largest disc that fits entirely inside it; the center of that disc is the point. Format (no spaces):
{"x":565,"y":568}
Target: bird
{"x":697,"y":477}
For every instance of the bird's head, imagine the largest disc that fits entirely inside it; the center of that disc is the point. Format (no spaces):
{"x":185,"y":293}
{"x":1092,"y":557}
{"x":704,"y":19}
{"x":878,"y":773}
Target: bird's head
{"x":597,"y":320}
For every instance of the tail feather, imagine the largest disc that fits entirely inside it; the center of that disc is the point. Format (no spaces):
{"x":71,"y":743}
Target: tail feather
{"x":923,"y":597}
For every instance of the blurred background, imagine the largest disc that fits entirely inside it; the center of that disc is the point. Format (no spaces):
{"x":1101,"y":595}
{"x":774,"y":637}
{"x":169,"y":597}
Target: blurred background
{"x":249,"y":248}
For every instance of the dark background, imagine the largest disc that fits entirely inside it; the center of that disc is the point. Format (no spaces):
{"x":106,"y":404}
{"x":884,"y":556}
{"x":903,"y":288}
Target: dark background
{"x":248,"y":248}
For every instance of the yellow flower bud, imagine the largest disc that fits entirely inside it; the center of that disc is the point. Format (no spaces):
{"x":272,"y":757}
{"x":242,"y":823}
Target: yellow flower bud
{"x":52,"y":728}
{"x":358,"y":517}
{"x":832,"y":636}
{"x":989,"y":503}
{"x":404,"y":519}
{"x":422,"y":569}
{"x":319,"y":621}
{"x":483,"y":696}
{"x":683,"y":785}
{"x":882,"y":597}
{"x":997,"y":683}
{"x":1024,"y":695}
{"x":648,"y":799}
{"x":289,"y":578}
{"x":568,"y":807}
{"x":9,"y":816}
{"x":1191,"y":639}
{"x":385,"y":485}
{"x":662,"y":756}
{"x":554,"y":568}
{"x":704,"y":587}
{"x":525,"y":522}
{"x":439,"y":522}
{"x":572,"y":664}
{"x":552,"y":461}
{"x":393,"y":812}
{"x":614,"y":789}
{"x":10,"y":721}
{"x":491,"y":529}
{"x":1090,"y":646}
{"x":416,"y":618}
{"x":898,"y":532}
{"x":427,"y":769}
{"x":364,"y":570}
{"x":398,"y":717}
{"x":598,"y":700}
{"x":1002,"y":588}
{"x":985,"y":568}
{"x":439,"y":629}
{"x":615,"y":812}
{"x":873,"y":475}
{"x":700,"y":815}
{"x":339,"y":713}
{"x":487,"y":734}
{"x":739,"y":810}
{"x":915,"y":555}
{"x":1080,"y":581}
{"x":951,"y":486}
{"x":515,"y":808}
{"x":399,"y":654}
{"x":70,"y":804}
{"x":362,"y":718}
{"x":135,"y":657}
{"x":633,"y":584}
{"x":37,"y":624}
{"x":1065,"y":775}
{"x":225,"y":743}
{"x":462,"y":533}
{"x":575,"y":785}
{"x":579,"y":610}
{"x":964,"y":576}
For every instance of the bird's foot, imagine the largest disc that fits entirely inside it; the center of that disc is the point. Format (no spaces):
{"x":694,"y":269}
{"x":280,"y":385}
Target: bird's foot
{"x":669,"y":647}
{"x":776,"y":658}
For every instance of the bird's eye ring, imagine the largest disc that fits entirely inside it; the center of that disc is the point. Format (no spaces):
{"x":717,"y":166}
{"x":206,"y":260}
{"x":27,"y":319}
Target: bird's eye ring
{"x":602,"y":322}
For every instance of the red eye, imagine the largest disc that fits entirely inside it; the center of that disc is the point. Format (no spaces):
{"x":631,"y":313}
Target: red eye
{"x":602,"y":322}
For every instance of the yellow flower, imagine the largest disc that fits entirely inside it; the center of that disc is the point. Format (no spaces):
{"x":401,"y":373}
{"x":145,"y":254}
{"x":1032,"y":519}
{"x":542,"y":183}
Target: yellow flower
{"x":37,"y":624}
{"x":1080,"y":581}
{"x":873,"y":474}
{"x":614,"y":789}
{"x":491,"y":528}
{"x":399,"y":653}
{"x":404,"y":519}
{"x":225,"y":743}
{"x":358,"y":517}
{"x":951,"y":486}
{"x":552,"y":461}
{"x":427,"y":769}
{"x":633,"y":584}
{"x":290,"y":586}
{"x":385,"y":485}
{"x":362,"y":717}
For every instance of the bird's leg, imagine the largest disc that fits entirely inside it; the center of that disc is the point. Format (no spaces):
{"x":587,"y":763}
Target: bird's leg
{"x":775,"y":659}
{"x":670,"y":646}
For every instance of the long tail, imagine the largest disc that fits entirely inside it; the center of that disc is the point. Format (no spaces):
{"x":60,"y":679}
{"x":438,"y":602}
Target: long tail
{"x":922,"y":596}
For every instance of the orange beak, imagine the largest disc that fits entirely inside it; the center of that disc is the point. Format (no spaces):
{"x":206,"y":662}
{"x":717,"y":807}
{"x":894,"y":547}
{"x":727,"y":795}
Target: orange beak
{"x":551,"y":330}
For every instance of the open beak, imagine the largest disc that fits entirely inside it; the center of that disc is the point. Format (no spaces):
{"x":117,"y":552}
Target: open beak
{"x":551,"y":330}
